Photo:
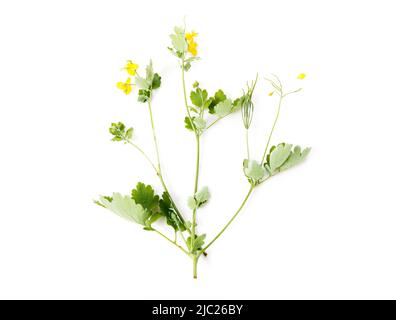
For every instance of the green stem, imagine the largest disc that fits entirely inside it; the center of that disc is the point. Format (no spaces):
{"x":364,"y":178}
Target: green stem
{"x":247,"y":143}
{"x":154,"y":136}
{"x":185,"y":99}
{"x":194,"y":217}
{"x":159,"y":171}
{"x":198,"y":151}
{"x":173,"y":242}
{"x":195,"y":263}
{"x":197,"y":164}
{"x":214,"y":122}
{"x":272,"y":129}
{"x":197,"y":138}
{"x":144,"y":155}
{"x":230,"y":221}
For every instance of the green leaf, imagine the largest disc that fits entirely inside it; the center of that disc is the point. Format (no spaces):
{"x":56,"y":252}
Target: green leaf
{"x":253,"y":170}
{"x":279,"y":155}
{"x":179,"y":42}
{"x":202,"y":196}
{"x":196,"y":244}
{"x":129,"y":134}
{"x":187,"y":123}
{"x":143,"y":95}
{"x":188,"y":224}
{"x":191,"y":203}
{"x":179,"y":30}
{"x":142,"y":83}
{"x":99,"y":204}
{"x":117,"y":129}
{"x":199,"y":123}
{"x":208,"y":103}
{"x":156,"y":82}
{"x":198,"y":97}
{"x":296,"y":157}
{"x":118,"y":132}
{"x":187,"y":66}
{"x":219,"y":96}
{"x":153,"y":218}
{"x":192,"y":109}
{"x":125,"y":207}
{"x":167,"y":210}
{"x":149,"y":72}
{"x":216,"y":99}
{"x":199,"y":199}
{"x":223,"y":108}
{"x":146,"y":197}
{"x":236,"y":104}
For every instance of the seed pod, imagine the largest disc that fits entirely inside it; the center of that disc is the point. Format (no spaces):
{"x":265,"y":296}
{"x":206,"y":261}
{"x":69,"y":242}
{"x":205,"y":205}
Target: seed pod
{"x":247,"y":108}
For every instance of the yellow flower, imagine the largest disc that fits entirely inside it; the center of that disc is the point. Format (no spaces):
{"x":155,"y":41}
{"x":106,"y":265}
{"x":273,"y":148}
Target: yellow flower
{"x":131,"y":67}
{"x":192,"y":48}
{"x":125,"y":86}
{"x":271,"y":93}
{"x":301,"y":76}
{"x":192,"y":45}
{"x":191,"y":36}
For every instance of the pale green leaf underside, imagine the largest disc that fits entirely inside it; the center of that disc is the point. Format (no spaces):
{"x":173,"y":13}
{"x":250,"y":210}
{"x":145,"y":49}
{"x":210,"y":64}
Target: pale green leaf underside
{"x":279,"y":155}
{"x":125,"y":207}
{"x":179,"y":42}
{"x":202,"y":195}
{"x":199,"y":123}
{"x":200,"y":198}
{"x":223,"y":108}
{"x":149,"y":72}
{"x":142,"y":83}
{"x":254,"y":170}
{"x":296,"y":157}
{"x":191,"y":203}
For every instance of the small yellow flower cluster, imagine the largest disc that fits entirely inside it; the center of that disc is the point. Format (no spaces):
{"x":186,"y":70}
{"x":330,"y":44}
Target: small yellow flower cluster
{"x":192,"y":45}
{"x":126,"y":86}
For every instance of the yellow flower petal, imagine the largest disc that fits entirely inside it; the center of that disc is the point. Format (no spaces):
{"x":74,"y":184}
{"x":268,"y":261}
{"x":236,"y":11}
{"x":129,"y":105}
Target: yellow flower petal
{"x":301,"y":76}
{"x":192,"y":48}
{"x":131,"y":67}
{"x":191,"y":36}
{"x":125,"y":86}
{"x":120,"y":85}
{"x":128,"y":89}
{"x":271,"y":93}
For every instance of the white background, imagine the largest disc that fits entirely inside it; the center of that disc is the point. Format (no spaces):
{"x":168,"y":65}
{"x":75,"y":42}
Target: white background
{"x":323,"y":230}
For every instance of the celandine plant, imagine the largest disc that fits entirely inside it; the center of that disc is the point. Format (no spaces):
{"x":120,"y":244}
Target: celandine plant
{"x":143,"y":206}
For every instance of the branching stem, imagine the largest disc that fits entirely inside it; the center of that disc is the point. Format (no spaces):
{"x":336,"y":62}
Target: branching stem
{"x":173,"y":242}
{"x":231,"y":220}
